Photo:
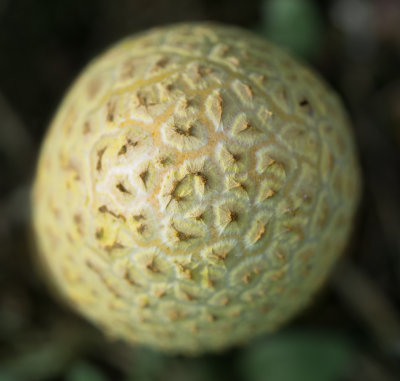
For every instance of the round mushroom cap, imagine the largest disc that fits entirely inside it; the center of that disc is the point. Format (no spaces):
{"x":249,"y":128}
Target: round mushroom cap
{"x":194,"y":189}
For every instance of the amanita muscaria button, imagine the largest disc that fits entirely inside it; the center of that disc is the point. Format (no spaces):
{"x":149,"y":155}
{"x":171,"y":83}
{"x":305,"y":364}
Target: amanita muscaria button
{"x":194,"y":189}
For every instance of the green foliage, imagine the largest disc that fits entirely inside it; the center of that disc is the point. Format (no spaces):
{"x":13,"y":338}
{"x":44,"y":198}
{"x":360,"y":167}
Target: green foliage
{"x":35,"y":363}
{"x":297,"y":356}
{"x":84,"y":371}
{"x":6,"y":376}
{"x":150,"y":365}
{"x":147,"y":365}
{"x":295,"y":24}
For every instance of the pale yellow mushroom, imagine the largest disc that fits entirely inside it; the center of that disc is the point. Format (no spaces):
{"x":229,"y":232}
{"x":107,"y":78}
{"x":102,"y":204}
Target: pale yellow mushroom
{"x":194,"y":189}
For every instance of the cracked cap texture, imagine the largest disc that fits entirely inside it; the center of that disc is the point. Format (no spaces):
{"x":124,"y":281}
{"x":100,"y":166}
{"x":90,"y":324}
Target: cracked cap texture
{"x":194,"y":189}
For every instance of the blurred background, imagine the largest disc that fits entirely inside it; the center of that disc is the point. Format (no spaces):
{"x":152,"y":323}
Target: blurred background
{"x":352,"y":330}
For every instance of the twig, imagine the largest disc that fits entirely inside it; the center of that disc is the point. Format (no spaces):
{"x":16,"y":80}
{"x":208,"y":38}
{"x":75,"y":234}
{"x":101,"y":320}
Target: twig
{"x":369,"y":304}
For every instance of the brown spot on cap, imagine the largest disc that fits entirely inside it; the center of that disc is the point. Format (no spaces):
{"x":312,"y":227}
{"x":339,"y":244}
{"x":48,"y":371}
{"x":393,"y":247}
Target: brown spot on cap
{"x":100,"y":154}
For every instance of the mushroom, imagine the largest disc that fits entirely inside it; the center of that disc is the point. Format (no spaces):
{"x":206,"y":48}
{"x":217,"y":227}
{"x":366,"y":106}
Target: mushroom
{"x":195,"y":188}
